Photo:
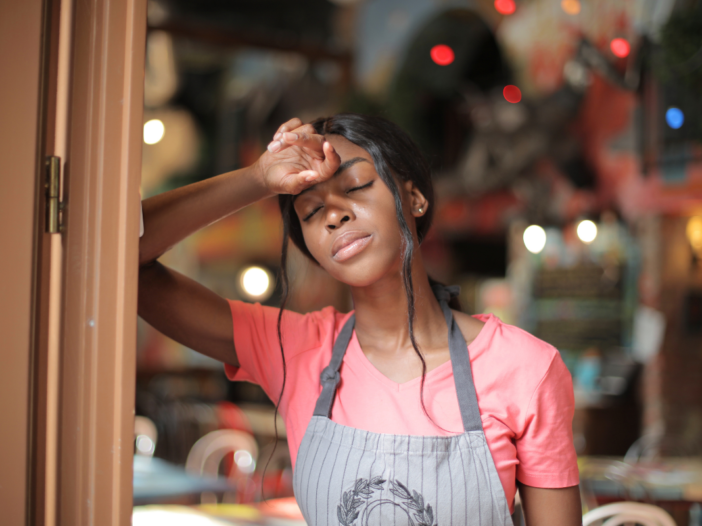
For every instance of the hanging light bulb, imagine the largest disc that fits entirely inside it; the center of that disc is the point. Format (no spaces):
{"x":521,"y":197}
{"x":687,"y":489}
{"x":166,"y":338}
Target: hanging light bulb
{"x":256,"y":283}
{"x":153,"y":131}
{"x":587,"y":231}
{"x":534,"y":239}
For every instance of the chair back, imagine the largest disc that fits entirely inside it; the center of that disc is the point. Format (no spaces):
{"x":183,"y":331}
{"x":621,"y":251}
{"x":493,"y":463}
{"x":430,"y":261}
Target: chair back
{"x":620,"y":513}
{"x":145,"y":436}
{"x":207,"y":453}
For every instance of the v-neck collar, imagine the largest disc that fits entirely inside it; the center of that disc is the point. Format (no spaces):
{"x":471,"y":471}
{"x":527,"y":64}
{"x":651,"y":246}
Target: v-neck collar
{"x":443,"y":370}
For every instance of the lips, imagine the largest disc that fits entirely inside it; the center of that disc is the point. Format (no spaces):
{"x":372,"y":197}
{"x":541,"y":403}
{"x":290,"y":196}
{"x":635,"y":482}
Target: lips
{"x":349,"y":244}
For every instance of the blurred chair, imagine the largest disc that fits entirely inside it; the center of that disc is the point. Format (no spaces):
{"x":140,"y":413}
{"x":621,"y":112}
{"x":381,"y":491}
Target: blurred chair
{"x":207,"y":453}
{"x":145,"y":436}
{"x":620,"y":513}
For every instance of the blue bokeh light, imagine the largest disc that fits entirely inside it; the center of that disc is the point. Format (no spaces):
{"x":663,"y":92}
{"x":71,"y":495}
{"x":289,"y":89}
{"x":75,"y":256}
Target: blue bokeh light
{"x":674,"y":117}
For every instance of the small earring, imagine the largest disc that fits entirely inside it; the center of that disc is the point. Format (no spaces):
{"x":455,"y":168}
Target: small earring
{"x":421,"y":210}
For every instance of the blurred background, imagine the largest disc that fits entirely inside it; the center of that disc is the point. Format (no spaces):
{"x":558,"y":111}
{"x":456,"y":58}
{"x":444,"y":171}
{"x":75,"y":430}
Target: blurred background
{"x":565,"y":138}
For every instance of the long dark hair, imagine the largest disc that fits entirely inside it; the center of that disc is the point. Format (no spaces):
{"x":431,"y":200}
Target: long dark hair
{"x":393,"y":152}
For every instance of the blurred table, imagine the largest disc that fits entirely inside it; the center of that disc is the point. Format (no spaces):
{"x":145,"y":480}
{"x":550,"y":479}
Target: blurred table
{"x":156,"y":480}
{"x":672,"y":483}
{"x":274,"y":512}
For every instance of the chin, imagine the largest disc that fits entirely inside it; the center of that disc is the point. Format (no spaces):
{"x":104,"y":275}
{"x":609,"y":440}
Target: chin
{"x":365,"y":271}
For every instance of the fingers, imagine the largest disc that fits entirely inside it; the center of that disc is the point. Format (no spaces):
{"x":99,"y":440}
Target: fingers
{"x":311,"y":141}
{"x":331,"y":161}
{"x":303,"y":136}
{"x":292,"y":124}
{"x":324,"y":170}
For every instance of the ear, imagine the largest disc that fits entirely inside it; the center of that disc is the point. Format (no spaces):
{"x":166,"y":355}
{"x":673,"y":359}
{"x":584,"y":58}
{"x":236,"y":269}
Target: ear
{"x":418,"y":203}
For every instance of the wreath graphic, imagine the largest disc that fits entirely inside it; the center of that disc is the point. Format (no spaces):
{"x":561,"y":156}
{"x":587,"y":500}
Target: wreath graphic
{"x":361,"y":493}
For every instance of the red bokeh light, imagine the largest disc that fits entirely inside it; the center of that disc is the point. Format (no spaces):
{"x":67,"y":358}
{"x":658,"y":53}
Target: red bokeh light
{"x":505,"y":7}
{"x":620,"y":47}
{"x":512,"y":94}
{"x":442,"y":55}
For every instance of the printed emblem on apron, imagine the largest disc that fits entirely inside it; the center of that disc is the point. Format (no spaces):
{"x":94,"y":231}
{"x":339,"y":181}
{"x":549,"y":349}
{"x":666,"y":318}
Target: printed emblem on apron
{"x":364,"y":497}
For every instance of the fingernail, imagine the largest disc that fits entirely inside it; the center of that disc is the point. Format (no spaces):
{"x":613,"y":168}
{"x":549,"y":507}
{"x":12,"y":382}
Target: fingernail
{"x":290,"y":136}
{"x":277,"y":136}
{"x":311,"y":177}
{"x":274,"y":146}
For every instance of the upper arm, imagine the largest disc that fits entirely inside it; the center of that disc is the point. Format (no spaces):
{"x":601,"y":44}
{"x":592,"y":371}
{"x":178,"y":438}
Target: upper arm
{"x":551,"y":506}
{"x":545,"y":449}
{"x":187,"y":312}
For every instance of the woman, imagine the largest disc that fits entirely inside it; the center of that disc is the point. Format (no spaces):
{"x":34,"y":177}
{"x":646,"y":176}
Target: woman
{"x":389,"y":419}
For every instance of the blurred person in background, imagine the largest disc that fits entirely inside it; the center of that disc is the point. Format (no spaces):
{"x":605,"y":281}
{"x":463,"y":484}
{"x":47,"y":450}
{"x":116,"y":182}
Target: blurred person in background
{"x":389,"y":418}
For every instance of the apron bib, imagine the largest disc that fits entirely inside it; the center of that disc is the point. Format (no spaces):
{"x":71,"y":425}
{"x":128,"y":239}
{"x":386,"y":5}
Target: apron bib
{"x":346,"y":476}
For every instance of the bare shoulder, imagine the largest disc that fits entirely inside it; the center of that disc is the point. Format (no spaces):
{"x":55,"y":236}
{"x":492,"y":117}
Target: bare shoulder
{"x":470,"y":327}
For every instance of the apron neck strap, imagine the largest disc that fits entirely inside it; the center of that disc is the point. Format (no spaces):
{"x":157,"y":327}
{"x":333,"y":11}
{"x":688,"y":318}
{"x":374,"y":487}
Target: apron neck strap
{"x":330,"y":374}
{"x":460,"y":362}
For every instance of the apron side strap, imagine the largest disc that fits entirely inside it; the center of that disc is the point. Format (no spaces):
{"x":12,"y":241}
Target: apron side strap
{"x":329,"y":378}
{"x":462,"y":374}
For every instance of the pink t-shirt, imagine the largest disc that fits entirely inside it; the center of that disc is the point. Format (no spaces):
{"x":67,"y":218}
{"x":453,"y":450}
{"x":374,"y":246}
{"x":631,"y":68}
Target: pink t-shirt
{"x":525,"y":392}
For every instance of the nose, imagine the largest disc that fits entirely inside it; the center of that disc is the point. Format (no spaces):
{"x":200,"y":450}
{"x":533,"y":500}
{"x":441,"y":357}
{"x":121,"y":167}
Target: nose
{"x":336,"y":217}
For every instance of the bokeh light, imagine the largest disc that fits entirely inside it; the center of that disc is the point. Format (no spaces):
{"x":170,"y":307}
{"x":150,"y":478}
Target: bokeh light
{"x":674,"y":117}
{"x":244,"y":461}
{"x":620,"y":47}
{"x":694,"y":233}
{"x":505,"y":7}
{"x":512,"y":94}
{"x":572,"y":7}
{"x":145,"y":445}
{"x":255,"y":281}
{"x":534,"y":239}
{"x":587,"y":231}
{"x":442,"y":54}
{"x":153,"y":131}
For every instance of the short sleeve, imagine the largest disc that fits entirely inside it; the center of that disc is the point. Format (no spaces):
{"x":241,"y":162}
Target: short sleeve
{"x":545,"y":449}
{"x":255,"y":334}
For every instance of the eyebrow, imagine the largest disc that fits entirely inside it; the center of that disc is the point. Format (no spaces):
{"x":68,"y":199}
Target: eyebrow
{"x":343,"y":166}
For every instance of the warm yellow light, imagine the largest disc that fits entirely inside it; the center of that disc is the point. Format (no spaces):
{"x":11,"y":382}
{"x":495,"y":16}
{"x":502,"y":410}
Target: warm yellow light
{"x":153,"y":131}
{"x":255,"y":281}
{"x":694,"y":233}
{"x":535,"y":239}
{"x":572,"y":7}
{"x":587,"y":231}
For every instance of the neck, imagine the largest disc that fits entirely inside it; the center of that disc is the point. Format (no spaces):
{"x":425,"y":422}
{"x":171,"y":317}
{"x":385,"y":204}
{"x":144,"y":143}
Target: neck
{"x":382,"y":315}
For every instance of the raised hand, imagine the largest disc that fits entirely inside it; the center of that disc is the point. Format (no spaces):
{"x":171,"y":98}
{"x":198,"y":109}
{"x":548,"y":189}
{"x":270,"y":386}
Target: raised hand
{"x":296,"y":159}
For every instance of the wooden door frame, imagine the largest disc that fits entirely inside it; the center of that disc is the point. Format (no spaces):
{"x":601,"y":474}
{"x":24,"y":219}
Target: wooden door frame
{"x":100,"y":270}
{"x":73,"y":328}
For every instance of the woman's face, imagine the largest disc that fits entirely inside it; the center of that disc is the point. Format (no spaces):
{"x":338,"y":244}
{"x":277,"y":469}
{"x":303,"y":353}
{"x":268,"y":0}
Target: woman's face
{"x":349,"y":221}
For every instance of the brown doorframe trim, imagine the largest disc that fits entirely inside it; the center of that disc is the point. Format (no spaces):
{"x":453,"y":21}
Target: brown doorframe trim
{"x":103,"y":165}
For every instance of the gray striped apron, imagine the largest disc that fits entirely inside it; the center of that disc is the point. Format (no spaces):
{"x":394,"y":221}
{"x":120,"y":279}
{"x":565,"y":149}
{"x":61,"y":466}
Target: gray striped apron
{"x":346,"y":476}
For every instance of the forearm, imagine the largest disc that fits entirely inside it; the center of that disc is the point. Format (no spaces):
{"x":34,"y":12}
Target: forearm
{"x":551,"y":507}
{"x":172,"y":216}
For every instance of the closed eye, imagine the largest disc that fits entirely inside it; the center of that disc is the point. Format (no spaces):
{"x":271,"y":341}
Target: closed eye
{"x":360,"y":187}
{"x":313,"y":212}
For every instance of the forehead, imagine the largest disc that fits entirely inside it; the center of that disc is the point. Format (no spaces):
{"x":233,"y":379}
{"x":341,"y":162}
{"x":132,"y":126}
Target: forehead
{"x":346,"y":149}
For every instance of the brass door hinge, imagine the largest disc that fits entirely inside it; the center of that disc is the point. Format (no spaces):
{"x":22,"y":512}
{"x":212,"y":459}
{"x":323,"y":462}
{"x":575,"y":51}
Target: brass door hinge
{"x":54,"y":205}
